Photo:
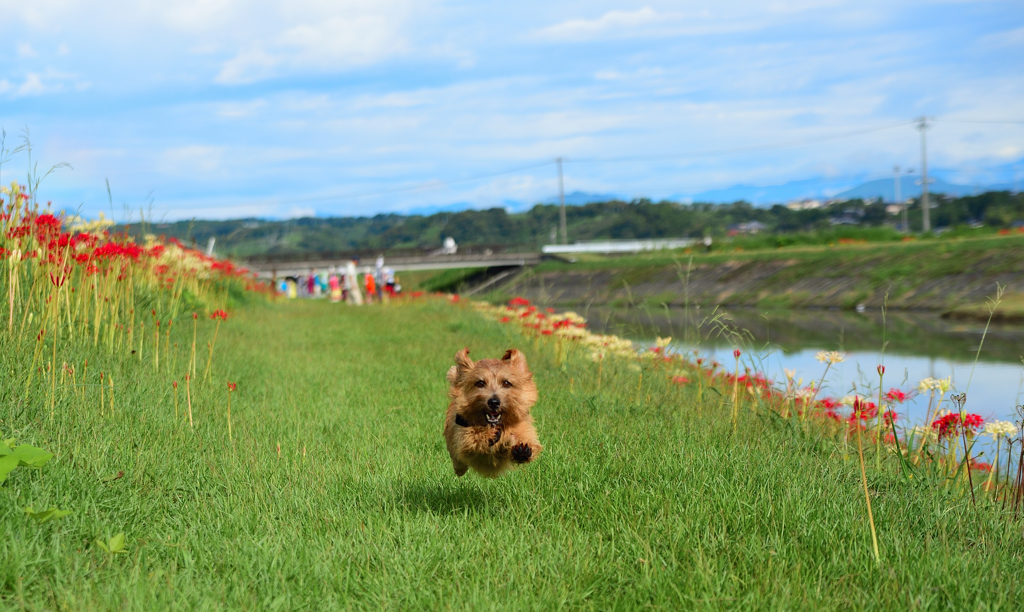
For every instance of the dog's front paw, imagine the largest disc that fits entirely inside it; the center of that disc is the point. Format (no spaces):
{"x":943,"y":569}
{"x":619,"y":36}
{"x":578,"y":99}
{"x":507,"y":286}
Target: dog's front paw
{"x":497,"y":436}
{"x":521,"y":453}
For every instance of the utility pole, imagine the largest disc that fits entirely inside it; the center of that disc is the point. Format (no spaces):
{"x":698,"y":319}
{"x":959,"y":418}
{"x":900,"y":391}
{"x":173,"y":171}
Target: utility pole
{"x":561,"y":203}
{"x":899,"y":202}
{"x":922,"y":124}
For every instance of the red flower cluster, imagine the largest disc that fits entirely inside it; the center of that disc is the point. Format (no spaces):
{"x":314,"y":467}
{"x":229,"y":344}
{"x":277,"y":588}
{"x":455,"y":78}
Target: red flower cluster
{"x":219,"y":314}
{"x":952,"y":424}
{"x":895,"y":396}
{"x":231,"y":386}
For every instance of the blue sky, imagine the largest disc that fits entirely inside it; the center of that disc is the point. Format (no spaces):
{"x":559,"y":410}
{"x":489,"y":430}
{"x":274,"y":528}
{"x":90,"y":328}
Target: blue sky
{"x":225,"y":108}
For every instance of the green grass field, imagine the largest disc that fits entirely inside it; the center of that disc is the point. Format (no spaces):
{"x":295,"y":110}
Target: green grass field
{"x":338,"y":492}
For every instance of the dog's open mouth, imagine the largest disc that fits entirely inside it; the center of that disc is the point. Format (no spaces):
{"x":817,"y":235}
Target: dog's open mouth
{"x":493,"y":417}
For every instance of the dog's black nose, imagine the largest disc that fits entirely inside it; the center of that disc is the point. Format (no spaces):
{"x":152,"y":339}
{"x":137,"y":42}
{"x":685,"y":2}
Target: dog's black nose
{"x":494,"y":402}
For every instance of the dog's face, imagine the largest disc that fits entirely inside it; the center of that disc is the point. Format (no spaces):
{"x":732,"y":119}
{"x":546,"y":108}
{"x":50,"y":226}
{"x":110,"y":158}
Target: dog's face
{"x":493,"y":391}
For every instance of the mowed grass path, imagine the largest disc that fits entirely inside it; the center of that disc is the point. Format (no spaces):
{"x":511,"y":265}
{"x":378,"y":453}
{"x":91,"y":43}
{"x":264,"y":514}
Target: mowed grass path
{"x":636,"y":502}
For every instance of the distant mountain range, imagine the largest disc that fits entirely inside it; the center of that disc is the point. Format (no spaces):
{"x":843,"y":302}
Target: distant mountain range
{"x":760,"y":195}
{"x":798,"y":190}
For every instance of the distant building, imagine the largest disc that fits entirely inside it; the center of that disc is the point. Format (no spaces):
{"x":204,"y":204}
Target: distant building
{"x":806,"y":204}
{"x":894,"y":209}
{"x":750,"y":227}
{"x":850,"y":216}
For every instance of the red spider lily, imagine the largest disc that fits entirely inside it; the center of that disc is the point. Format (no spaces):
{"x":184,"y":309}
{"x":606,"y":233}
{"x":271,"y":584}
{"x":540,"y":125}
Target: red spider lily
{"x":195,"y":316}
{"x":58,"y":281}
{"x":889,"y":417}
{"x":881,"y":370}
{"x":981,"y":466}
{"x":219,"y":315}
{"x":546,"y":332}
{"x":736,"y":353}
{"x":519,"y":301}
{"x":505,"y":319}
{"x":174,"y":384}
{"x":232,"y":386}
{"x":952,"y":424}
{"x":895,"y":396}
{"x":681,"y":380}
{"x":550,"y":310}
{"x":863,"y":410}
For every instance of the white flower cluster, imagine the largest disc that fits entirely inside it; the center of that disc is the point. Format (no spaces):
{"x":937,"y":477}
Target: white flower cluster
{"x":941,"y":385}
{"x":830,"y":357}
{"x":998,"y":429}
{"x":82,"y":226}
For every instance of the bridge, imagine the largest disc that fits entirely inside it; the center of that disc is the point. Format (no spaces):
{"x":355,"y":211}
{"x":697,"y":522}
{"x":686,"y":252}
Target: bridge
{"x":268,"y":267}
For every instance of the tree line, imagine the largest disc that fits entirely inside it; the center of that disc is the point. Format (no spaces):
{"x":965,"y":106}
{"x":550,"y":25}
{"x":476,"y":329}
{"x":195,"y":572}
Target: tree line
{"x":497,"y":228}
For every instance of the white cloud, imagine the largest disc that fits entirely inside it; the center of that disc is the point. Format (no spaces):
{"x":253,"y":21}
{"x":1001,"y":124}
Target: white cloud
{"x":615,"y":75}
{"x":33,"y":86}
{"x":611,"y":22}
{"x":299,"y":212}
{"x":191,"y":160}
{"x":327,"y":44}
{"x":25,"y":50}
{"x":1006,"y":38}
{"x":240,"y":110}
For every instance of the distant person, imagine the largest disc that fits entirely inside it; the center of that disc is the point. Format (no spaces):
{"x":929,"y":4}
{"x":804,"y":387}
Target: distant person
{"x":389,"y":282}
{"x":335,"y":285}
{"x":371,"y":287}
{"x":293,"y":289}
{"x":351,"y":284}
{"x":311,"y":283}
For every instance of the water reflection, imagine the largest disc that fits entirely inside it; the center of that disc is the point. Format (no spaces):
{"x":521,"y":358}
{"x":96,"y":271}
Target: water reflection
{"x":918,"y":345}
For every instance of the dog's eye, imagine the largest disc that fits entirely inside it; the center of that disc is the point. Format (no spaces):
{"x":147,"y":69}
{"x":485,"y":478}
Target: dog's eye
{"x":505,"y":383}
{"x":480,"y":384}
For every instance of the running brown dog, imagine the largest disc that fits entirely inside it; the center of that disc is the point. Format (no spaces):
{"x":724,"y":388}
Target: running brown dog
{"x":488,"y":426}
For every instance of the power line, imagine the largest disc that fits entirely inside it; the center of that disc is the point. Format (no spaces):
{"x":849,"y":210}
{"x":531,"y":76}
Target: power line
{"x":976,"y":121}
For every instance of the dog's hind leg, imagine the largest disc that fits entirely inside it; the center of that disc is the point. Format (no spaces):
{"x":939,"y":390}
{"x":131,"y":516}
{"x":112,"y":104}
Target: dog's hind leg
{"x":460,"y":467}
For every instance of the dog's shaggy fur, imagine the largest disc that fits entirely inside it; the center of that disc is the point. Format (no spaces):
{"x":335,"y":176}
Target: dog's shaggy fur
{"x":488,"y":426}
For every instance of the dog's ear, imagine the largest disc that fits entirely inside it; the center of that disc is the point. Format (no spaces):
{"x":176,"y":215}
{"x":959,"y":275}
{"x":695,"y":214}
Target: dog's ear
{"x":453,"y":373}
{"x":462,"y":362}
{"x":516,"y":359}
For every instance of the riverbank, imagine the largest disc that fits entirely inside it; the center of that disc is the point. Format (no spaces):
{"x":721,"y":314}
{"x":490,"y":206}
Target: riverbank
{"x":954,"y":277}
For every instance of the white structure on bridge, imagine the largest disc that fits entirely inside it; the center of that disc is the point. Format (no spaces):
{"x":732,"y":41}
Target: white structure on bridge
{"x":619,"y":246}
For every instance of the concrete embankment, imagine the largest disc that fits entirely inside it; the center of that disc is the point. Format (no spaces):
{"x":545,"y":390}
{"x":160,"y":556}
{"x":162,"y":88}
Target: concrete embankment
{"x":954,"y":277}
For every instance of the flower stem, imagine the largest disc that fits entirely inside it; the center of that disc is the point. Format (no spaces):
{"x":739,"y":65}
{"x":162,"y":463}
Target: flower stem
{"x":867,"y":495}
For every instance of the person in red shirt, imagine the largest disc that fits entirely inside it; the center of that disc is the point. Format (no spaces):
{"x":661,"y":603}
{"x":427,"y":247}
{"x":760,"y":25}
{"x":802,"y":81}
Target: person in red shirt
{"x":371,"y":287}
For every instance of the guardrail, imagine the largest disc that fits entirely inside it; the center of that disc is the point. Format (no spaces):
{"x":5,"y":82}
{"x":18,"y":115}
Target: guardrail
{"x":619,"y":246}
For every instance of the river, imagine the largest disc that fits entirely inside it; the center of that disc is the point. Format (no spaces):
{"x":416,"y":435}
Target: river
{"x":917,"y":345}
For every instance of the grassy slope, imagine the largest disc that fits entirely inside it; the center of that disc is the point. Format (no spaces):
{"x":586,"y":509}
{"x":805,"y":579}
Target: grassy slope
{"x":908,"y":271}
{"x":632,"y":504}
